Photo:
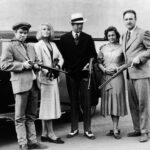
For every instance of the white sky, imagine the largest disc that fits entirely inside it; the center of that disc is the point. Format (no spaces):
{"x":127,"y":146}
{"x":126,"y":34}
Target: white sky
{"x":99,"y":13}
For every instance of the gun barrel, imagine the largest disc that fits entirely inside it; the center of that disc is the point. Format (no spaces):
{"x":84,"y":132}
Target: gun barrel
{"x":50,"y":68}
{"x":90,"y":72}
{"x":47,"y":67}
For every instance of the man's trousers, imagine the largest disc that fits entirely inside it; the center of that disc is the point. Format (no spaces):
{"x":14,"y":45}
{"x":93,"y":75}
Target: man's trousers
{"x":139,"y":102}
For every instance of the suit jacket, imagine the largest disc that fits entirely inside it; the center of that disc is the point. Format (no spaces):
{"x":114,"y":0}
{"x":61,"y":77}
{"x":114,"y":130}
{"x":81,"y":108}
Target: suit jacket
{"x":45,"y":58}
{"x":12,"y":59}
{"x":138,"y":46}
{"x":77,"y":56}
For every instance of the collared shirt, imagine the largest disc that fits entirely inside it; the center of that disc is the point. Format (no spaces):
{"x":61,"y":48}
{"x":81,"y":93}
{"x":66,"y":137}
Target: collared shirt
{"x":131,"y":31}
{"x":74,"y":34}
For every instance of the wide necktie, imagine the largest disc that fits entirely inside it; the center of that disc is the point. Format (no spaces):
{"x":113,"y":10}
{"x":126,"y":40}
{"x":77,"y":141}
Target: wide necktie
{"x":76,"y":39}
{"x":128,"y":35}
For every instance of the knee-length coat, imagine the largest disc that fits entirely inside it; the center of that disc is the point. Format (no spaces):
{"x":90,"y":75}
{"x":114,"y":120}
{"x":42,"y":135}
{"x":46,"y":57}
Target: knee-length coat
{"x":50,"y":102}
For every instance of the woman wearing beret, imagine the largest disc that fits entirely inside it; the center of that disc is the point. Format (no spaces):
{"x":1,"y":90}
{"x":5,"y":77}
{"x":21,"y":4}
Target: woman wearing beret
{"x":48,"y":54}
{"x":113,"y":94}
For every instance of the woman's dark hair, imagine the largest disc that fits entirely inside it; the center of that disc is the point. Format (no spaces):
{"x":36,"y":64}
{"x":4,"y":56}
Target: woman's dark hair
{"x":111,"y":28}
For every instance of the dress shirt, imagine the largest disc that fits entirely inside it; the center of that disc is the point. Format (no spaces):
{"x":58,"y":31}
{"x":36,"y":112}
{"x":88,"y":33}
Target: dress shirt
{"x":131,"y":31}
{"x":74,"y":34}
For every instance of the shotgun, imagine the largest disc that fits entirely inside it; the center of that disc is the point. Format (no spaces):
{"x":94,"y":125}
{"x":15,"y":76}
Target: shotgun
{"x":90,"y":73}
{"x":115,"y":75}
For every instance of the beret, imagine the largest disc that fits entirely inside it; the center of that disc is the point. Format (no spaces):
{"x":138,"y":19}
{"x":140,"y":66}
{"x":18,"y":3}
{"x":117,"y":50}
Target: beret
{"x":21,"y":25}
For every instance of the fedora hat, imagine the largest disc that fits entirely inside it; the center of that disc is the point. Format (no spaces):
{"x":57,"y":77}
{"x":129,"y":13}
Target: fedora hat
{"x":77,"y":18}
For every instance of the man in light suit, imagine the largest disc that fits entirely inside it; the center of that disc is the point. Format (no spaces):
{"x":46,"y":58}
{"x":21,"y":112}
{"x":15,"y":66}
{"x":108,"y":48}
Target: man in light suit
{"x":15,"y":58}
{"x":77,"y":49}
{"x":136,"y":46}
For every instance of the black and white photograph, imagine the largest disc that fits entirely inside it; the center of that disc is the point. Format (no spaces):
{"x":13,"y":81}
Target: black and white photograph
{"x":74,"y":74}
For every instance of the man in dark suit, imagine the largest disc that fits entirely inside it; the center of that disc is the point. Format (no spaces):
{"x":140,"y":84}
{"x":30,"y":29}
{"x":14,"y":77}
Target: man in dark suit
{"x":15,"y":58}
{"x":77,"y":49}
{"x":136,"y":46}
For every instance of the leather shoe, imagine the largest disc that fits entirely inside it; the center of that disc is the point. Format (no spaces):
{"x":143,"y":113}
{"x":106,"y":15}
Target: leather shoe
{"x":144,"y":137}
{"x":57,"y":140}
{"x":48,"y":139}
{"x":44,"y":139}
{"x":134,"y":134}
{"x":117,"y":136}
{"x":23,"y":147}
{"x":37,"y":146}
{"x":111,"y":133}
{"x":73,"y":133}
{"x":89,"y":135}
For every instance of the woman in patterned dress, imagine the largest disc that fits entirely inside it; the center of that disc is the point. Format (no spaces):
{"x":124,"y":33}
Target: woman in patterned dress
{"x":113,"y":101}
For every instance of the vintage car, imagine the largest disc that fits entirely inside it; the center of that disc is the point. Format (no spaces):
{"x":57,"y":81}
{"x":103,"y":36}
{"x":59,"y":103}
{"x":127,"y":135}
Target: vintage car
{"x":6,"y":95}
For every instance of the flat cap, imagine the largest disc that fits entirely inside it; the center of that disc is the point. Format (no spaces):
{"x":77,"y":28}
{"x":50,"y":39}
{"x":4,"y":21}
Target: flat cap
{"x":22,"y":25}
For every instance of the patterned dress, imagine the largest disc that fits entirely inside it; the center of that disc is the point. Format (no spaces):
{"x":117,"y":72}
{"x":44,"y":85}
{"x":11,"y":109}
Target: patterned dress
{"x":113,"y":94}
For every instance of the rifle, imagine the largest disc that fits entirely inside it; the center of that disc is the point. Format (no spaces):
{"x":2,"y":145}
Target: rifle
{"x":90,"y":72}
{"x":115,"y":75}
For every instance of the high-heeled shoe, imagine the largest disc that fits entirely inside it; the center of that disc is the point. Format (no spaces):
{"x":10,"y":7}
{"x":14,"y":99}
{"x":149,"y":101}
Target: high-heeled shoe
{"x":57,"y":140}
{"x":48,"y":139}
{"x":117,"y":135}
{"x":111,"y":133}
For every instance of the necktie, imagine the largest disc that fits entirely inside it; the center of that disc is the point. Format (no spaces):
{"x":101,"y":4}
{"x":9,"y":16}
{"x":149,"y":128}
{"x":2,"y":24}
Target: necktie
{"x":128,"y":35}
{"x":76,"y":39}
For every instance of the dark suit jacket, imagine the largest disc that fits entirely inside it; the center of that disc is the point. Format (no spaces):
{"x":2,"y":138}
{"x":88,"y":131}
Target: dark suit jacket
{"x":138,"y":46}
{"x":77,"y":56}
{"x":12,"y":60}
